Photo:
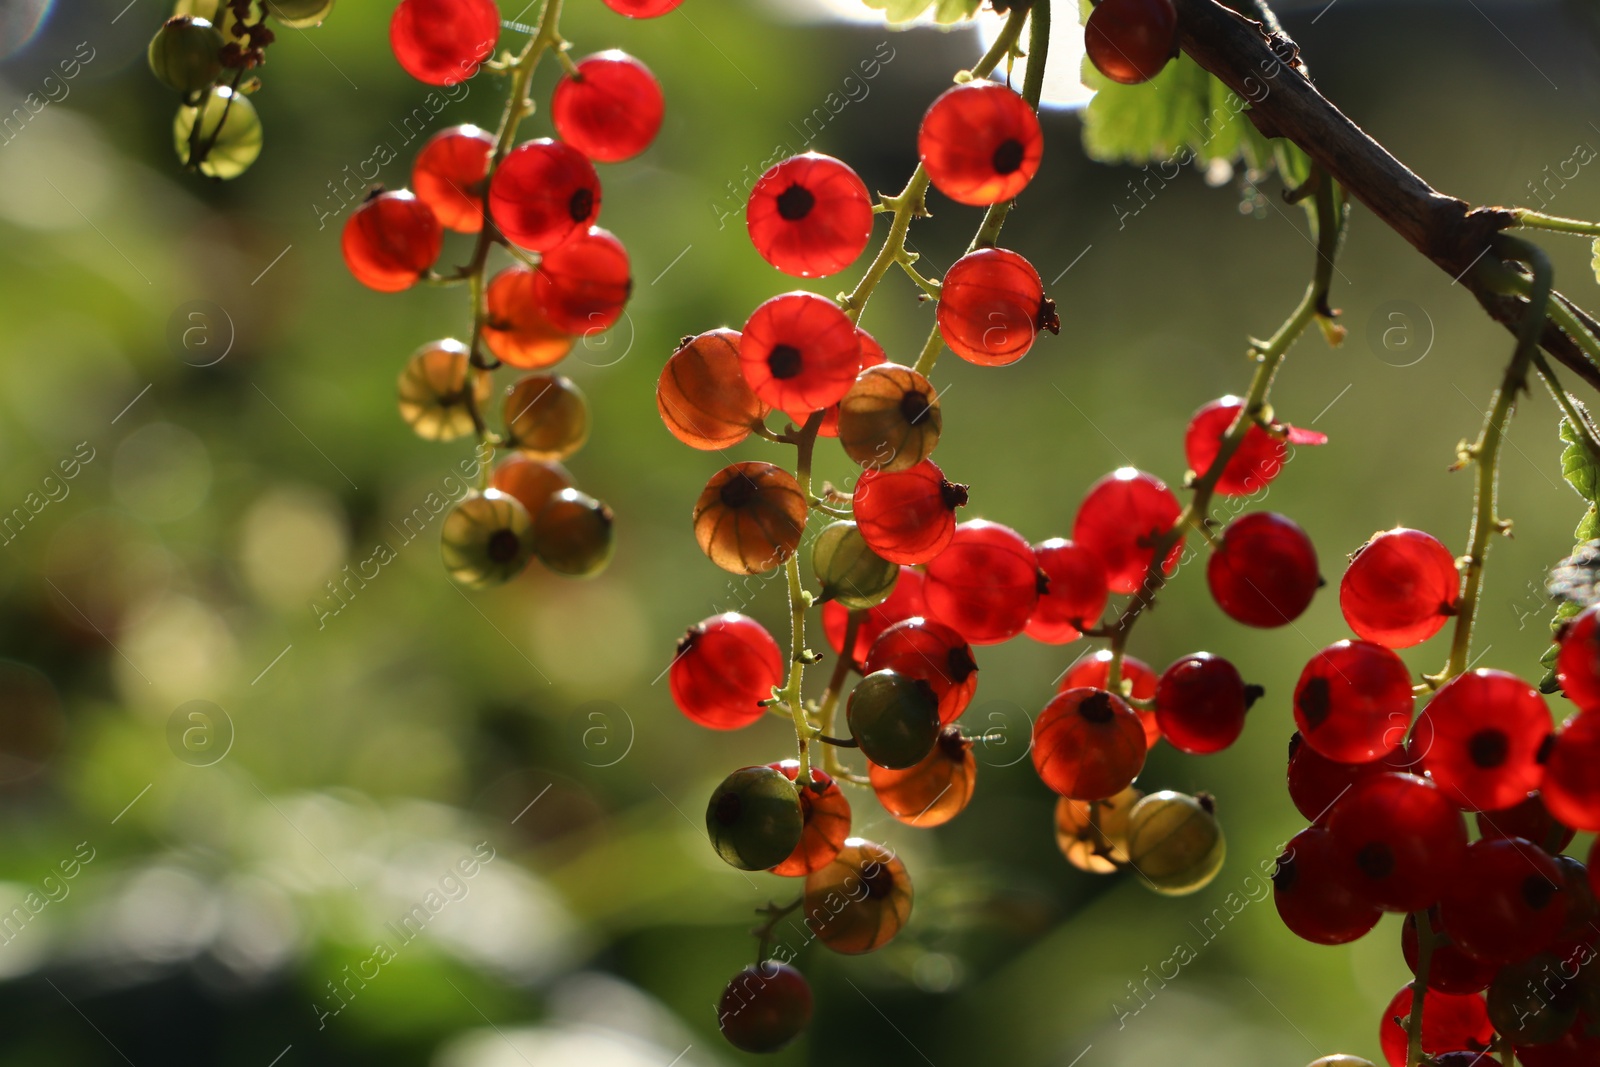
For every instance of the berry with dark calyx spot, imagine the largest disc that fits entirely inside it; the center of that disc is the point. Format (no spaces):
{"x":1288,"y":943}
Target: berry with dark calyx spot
{"x":433,"y":391}
{"x":1076,"y":595}
{"x":1400,"y":589}
{"x":516,"y":329}
{"x":1578,"y":662}
{"x":486,"y":539}
{"x":532,"y":481}
{"x":391,"y":240}
{"x":980,"y":143}
{"x":1120,"y":519}
{"x":908,"y":516}
{"x":905,"y":601}
{"x":543,"y":194}
{"x":1401,"y":842}
{"x":847,"y":568}
{"x":1255,"y":463}
{"x":1093,"y":834}
{"x":1450,"y":970}
{"x":1312,"y":898}
{"x":1448,"y":1025}
{"x":1264,"y":570}
{"x":749,"y":517}
{"x":1316,"y":782}
{"x":929,"y":650}
{"x":609,"y":107}
{"x":1088,"y":744}
{"x":985,"y":584}
{"x":1130,"y":41}
{"x":583,"y":285}
{"x":1506,"y":902}
{"x":766,"y":1006}
{"x":810,"y":215}
{"x":724,"y":668}
{"x":827,"y":822}
{"x":1137,"y":681}
{"x":872,"y":354}
{"x":449,"y":173}
{"x":1175,"y":842}
{"x":186,"y":54}
{"x":1529,"y":1003}
{"x":1201,"y":703}
{"x":702,"y":396}
{"x":894,"y":718}
{"x":889,"y":418}
{"x":546,"y":416}
{"x":992,"y":306}
{"x":442,"y":42}
{"x":860,"y":901}
{"x":1353,"y":702}
{"x":754,"y":818}
{"x":932,"y":791}
{"x":1570,"y":785}
{"x":1489,"y":729}
{"x":799,"y":352}
{"x":572,"y":534}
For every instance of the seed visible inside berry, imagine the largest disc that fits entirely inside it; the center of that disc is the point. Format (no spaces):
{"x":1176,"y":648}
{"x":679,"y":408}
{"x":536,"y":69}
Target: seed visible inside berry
{"x":980,"y":143}
{"x":810,"y":216}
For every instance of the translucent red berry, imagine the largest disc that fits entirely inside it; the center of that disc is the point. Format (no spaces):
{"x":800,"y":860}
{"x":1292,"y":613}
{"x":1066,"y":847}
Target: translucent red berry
{"x":1449,"y":1024}
{"x":725,"y":666}
{"x":544,"y":193}
{"x":449,"y":173}
{"x":1571,"y":782}
{"x":1257,"y":461}
{"x":532,"y":481}
{"x":749,"y":517}
{"x":1264,"y":570}
{"x":390,"y":241}
{"x":810,"y":215}
{"x":642,"y":9}
{"x":980,"y":143}
{"x":1487,"y":728}
{"x":1528,"y":819}
{"x":702,"y":396}
{"x":1317,"y":782}
{"x":934,"y":791}
{"x":1578,"y":662}
{"x":992,"y":306}
{"x":1130,"y":41}
{"x":872,"y":354}
{"x":1201,"y":703}
{"x":1450,"y":970}
{"x":582,"y":285}
{"x":1095,"y":671}
{"x":1506,"y":901}
{"x":827,"y":822}
{"x":442,"y":42}
{"x":907,"y":516}
{"x":905,"y":602}
{"x":1313,"y":898}
{"x":1121,"y":518}
{"x":1400,"y":840}
{"x":1400,"y":589}
{"x":766,"y":1006}
{"x":516,"y":330}
{"x":609,"y":108}
{"x":799,"y":352}
{"x":1354,"y":701}
{"x":930,"y":650}
{"x":860,"y":901}
{"x":985,"y":584}
{"x":890,"y":418}
{"x":1076,"y":595}
{"x":1088,"y":744}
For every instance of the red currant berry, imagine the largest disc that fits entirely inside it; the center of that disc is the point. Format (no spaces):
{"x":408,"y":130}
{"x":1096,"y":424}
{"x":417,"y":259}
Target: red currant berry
{"x":980,"y":143}
{"x":810,"y":216}
{"x":890,"y":418}
{"x":546,"y":416}
{"x":749,"y":517}
{"x":872,"y":354}
{"x":1077,"y":593}
{"x":442,"y":42}
{"x":1130,"y":41}
{"x":860,"y":901}
{"x":1353,"y":702}
{"x":532,"y":481}
{"x":642,"y":9}
{"x":1401,"y":841}
{"x":753,"y":819}
{"x":1264,"y":570}
{"x":449,"y":173}
{"x":1530,"y":1001}
{"x":799,"y":352}
{"x":1578,"y":662}
{"x":766,"y":1006}
{"x":1201,"y":703}
{"x":992,"y":306}
{"x":1258,"y":459}
{"x":1088,"y":744}
{"x":725,"y":666}
{"x":1488,"y":729}
{"x":516,"y":330}
{"x":433,"y":390}
{"x":827,"y":822}
{"x":544,"y":193}
{"x":907,"y":516}
{"x":583,"y":285}
{"x":1582,"y":905}
{"x":906,"y":602}
{"x":1448,"y":1024}
{"x":486,"y":539}
{"x":1449,"y":969}
{"x":985,"y":584}
{"x":1400,"y":589}
{"x":1529,"y":819}
{"x":1571,"y":781}
{"x":1095,"y":671}
{"x":1317,"y":782}
{"x":1312,"y":897}
{"x":390,"y":241}
{"x":609,"y":109}
{"x":934,"y":791}
{"x":1121,"y":518}
{"x":1506,"y":902}
{"x":932,"y":651}
{"x":573,"y":534}
{"x":702,"y":395}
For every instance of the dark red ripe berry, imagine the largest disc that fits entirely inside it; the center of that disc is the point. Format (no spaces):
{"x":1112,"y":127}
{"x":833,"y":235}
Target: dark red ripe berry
{"x":1088,"y":744}
{"x":932,"y":651}
{"x":441,"y":42}
{"x":1121,"y":517}
{"x":1095,"y":671}
{"x":1201,"y":702}
{"x":992,"y":306}
{"x":1257,"y":461}
{"x":904,"y":603}
{"x":985,"y":584}
{"x":827,"y":822}
{"x":543,"y":194}
{"x":1264,"y":570}
{"x":1401,"y":841}
{"x":1574,"y":1049}
{"x":809,"y":216}
{"x":1317,"y":782}
{"x":610,"y":109}
{"x":980,"y":143}
{"x":1313,"y":898}
{"x":724,"y":667}
{"x":1354,"y":701}
{"x":642,"y":9}
{"x":390,"y":241}
{"x":907,"y":516}
{"x":1529,"y":819}
{"x":448,"y":176}
{"x":1578,"y":662}
{"x":1506,"y":902}
{"x":1448,"y":1025}
{"x":1488,"y":728}
{"x":583,"y":285}
{"x":1130,"y":41}
{"x":1571,"y":782}
{"x":1077,"y":593}
{"x":1400,"y":589}
{"x":766,"y":1006}
{"x":872,"y":354}
{"x":799,"y":352}
{"x":1449,"y":969}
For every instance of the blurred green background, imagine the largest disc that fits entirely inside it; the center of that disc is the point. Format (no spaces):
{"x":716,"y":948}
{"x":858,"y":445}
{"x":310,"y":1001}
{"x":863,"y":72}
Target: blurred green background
{"x":354,"y":761}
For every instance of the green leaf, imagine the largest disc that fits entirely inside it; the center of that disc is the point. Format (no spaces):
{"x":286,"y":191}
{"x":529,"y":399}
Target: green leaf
{"x":1595,"y":263}
{"x":1578,"y":466}
{"x":1575,"y":581}
{"x":945,"y":11}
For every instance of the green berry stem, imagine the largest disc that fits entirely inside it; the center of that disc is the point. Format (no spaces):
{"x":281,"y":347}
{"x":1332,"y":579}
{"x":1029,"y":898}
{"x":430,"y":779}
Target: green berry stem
{"x":1426,"y":940}
{"x":1538,"y":219}
{"x":829,"y":708}
{"x":1574,"y":328}
{"x":1574,"y":411}
{"x":800,"y":602}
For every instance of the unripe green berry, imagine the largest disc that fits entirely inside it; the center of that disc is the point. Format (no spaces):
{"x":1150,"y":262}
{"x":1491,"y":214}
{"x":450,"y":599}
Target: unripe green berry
{"x":848,"y":570}
{"x":894,"y":718}
{"x":1175,"y":842}
{"x":298,"y":14}
{"x":487,"y":539}
{"x":572,"y":534}
{"x":230,"y":133}
{"x":186,"y":54}
{"x":754,"y":818}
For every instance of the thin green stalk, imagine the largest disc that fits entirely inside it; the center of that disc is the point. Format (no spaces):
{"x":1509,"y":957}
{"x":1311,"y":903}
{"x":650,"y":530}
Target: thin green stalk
{"x":1569,"y":406}
{"x":799,"y":603}
{"x":1539,"y":220}
{"x":1419,"y":988}
{"x":1563,"y":317}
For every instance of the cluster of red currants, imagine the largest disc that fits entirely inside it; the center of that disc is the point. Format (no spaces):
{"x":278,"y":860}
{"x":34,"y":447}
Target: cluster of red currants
{"x":569,"y":278}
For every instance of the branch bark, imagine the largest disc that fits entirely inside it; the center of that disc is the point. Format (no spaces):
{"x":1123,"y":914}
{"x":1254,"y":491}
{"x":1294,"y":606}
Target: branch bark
{"x":1262,"y":66}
